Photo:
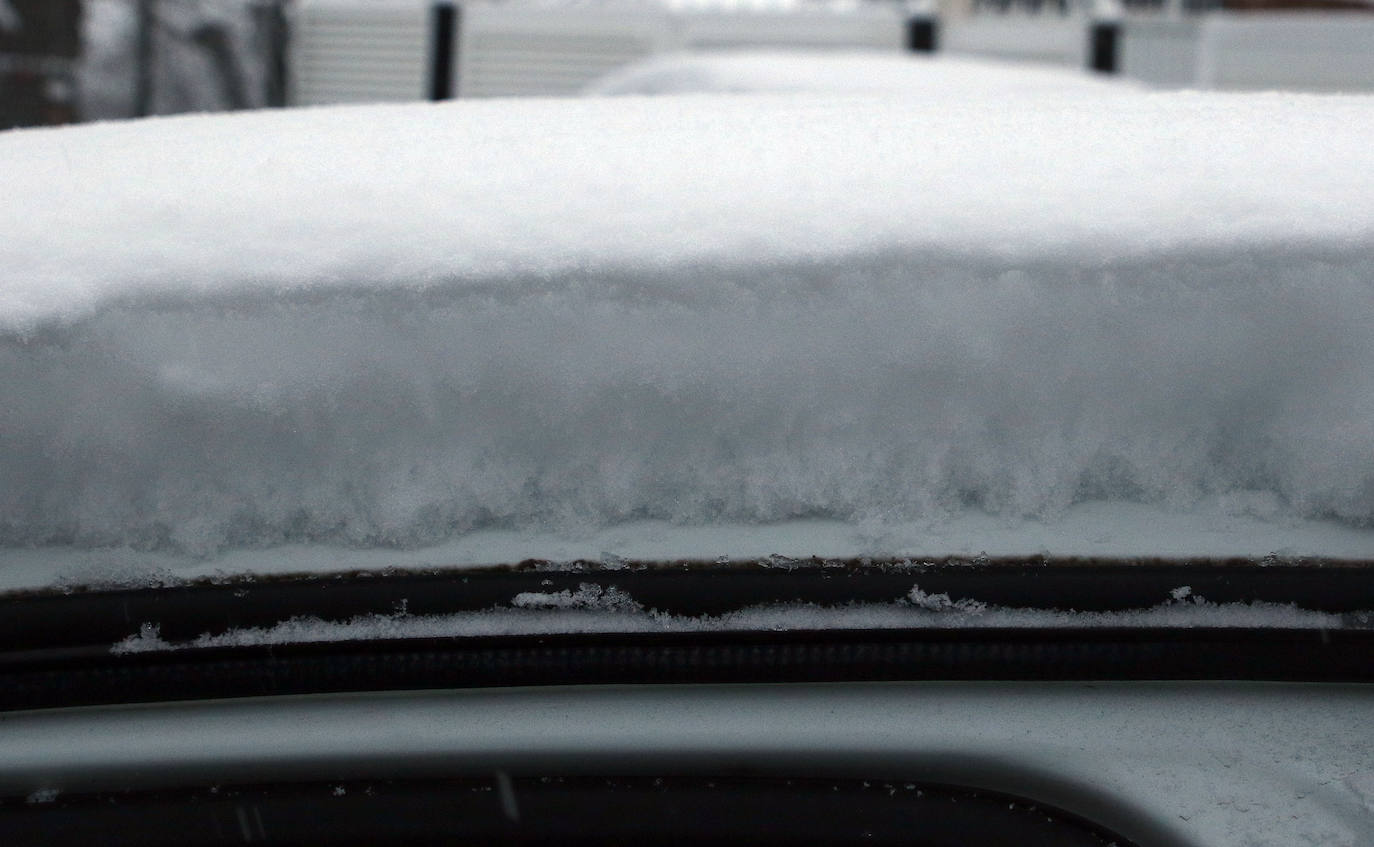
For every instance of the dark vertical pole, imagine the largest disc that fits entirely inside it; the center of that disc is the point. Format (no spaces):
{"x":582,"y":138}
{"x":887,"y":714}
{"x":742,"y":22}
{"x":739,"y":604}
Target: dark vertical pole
{"x":269,"y":17}
{"x":143,"y":83}
{"x":922,"y":33}
{"x":213,"y":38}
{"x":444,"y":26}
{"x":1104,"y":46}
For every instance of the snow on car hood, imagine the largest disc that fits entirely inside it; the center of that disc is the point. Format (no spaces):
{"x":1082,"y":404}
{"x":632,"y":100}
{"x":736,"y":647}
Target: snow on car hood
{"x":395,"y":327}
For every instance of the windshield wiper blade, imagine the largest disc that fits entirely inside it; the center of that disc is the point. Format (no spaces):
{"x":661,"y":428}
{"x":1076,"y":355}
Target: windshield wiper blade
{"x":681,"y":622}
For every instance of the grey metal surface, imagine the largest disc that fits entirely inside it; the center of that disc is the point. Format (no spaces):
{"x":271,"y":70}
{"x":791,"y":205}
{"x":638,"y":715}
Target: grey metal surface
{"x":1165,"y":764}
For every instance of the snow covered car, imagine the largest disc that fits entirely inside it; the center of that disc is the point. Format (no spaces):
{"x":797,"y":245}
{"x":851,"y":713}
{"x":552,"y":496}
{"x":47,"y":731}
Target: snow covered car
{"x":933,"y":466}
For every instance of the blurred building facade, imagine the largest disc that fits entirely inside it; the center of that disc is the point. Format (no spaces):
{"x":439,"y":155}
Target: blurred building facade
{"x":67,"y":60}
{"x":40,"y":43}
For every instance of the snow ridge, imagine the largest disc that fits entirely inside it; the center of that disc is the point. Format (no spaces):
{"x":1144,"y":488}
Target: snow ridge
{"x":880,"y":389}
{"x":392,"y":327}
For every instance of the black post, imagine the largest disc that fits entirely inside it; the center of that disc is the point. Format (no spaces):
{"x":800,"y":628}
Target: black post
{"x":922,"y":33}
{"x":269,"y":18}
{"x":444,"y":26}
{"x":213,"y":38}
{"x":143,"y":83}
{"x":1104,"y":46}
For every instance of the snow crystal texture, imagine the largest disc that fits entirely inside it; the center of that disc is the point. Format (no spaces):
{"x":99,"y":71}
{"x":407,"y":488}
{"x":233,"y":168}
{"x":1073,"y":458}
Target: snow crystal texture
{"x":392,"y":326}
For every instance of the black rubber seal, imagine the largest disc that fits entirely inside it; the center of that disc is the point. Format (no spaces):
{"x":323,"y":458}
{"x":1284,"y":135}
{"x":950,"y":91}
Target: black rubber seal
{"x":81,"y":679}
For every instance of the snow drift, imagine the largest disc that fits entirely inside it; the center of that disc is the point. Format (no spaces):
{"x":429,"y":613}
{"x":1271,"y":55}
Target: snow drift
{"x":392,"y":326}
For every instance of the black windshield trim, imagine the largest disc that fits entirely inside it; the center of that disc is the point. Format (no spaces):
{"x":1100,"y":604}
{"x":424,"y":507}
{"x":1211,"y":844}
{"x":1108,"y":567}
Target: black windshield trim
{"x":76,"y":678}
{"x":49,"y":621}
{"x":60,"y":650}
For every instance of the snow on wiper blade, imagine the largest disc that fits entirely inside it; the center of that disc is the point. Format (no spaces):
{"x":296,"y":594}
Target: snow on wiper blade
{"x":538,"y":623}
{"x":647,"y":595}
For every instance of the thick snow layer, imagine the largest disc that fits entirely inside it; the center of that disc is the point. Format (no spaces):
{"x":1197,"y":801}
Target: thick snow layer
{"x":398,"y":327}
{"x":694,"y":198}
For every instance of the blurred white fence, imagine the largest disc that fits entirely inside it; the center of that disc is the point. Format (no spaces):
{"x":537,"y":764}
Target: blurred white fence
{"x":1168,"y":48}
{"x":365,"y":50}
{"x":1329,"y":51}
{"x":1055,"y":38}
{"x":353,"y":51}
{"x":505,"y":50}
{"x":358,"y":52}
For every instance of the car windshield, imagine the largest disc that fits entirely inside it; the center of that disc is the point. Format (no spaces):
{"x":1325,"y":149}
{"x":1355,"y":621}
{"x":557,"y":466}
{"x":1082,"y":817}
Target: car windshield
{"x":933,"y":422}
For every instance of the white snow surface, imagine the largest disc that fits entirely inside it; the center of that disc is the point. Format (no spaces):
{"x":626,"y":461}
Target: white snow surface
{"x":884,"y":314}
